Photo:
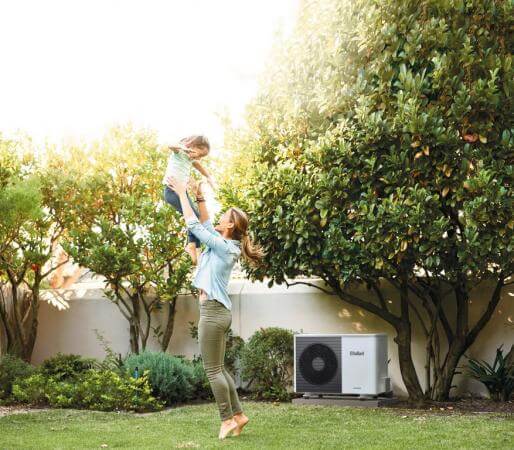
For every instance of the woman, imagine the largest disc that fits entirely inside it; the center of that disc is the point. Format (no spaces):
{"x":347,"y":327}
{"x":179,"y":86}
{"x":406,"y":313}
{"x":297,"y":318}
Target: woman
{"x":225,"y":243}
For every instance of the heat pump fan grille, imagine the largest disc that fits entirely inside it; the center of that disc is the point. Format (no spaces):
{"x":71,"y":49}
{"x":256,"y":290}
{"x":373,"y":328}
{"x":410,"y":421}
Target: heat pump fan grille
{"x":318,"y":364}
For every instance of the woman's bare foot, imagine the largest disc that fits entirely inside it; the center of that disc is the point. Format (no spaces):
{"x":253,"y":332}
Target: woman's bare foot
{"x":191,"y":251}
{"x":227,"y":426}
{"x":241,"y":421}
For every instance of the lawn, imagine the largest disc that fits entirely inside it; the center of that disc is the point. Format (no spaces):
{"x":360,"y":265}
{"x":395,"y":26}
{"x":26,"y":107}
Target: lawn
{"x":272,"y":426}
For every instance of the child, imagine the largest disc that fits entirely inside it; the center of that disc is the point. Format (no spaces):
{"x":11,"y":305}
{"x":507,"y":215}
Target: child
{"x":184,"y":156}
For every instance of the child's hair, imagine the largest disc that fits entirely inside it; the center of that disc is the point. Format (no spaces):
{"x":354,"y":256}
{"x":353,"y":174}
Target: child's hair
{"x":251,"y":252}
{"x":197,"y":140}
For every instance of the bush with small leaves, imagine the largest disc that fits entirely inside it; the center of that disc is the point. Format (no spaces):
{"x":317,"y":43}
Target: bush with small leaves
{"x":97,"y":390}
{"x":12,"y":369}
{"x":65,"y":366}
{"x":267,"y":362}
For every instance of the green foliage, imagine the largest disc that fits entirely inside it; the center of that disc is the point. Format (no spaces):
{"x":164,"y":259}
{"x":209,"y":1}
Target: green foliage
{"x":28,"y":233}
{"x":63,"y":367}
{"x":172,"y":378}
{"x":32,"y":390}
{"x":119,"y":227}
{"x":369,"y":167}
{"x":498,"y":378}
{"x":267,"y":361}
{"x":98,"y":390}
{"x":12,"y":369}
{"x":108,"y":391}
{"x":201,"y":386}
{"x":380,"y":147}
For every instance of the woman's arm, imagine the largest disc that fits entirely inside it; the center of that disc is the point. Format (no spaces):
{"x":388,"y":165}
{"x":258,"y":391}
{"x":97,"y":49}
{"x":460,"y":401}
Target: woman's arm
{"x":202,"y":207}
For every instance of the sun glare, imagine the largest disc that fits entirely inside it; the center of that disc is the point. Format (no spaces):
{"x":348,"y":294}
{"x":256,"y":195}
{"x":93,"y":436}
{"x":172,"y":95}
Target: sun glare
{"x":73,"y":69}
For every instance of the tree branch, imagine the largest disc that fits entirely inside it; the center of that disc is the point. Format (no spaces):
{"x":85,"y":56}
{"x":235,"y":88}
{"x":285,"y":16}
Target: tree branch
{"x":491,"y":306}
{"x":309,"y":284}
{"x":356,"y":301}
{"x":43,"y":275}
{"x":380,"y":297}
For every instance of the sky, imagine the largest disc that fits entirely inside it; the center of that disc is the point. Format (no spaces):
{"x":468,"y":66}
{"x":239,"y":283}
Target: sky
{"x":73,"y":68}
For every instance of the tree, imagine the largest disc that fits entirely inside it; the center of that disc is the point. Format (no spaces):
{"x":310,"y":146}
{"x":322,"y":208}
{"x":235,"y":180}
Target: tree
{"x":119,"y":228}
{"x":381,"y":149}
{"x":28,"y":233}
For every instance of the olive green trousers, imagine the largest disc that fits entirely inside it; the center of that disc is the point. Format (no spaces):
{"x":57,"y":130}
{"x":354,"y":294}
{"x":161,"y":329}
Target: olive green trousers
{"x":213,"y":327}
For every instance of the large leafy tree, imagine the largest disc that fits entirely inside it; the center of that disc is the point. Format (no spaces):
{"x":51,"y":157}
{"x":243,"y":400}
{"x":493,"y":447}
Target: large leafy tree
{"x":118,"y":227}
{"x":29,"y":230}
{"x":381,"y":151}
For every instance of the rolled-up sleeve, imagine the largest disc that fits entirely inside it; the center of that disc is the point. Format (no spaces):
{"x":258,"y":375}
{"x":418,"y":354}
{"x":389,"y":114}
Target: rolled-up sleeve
{"x":210,"y":228}
{"x":211,"y":240}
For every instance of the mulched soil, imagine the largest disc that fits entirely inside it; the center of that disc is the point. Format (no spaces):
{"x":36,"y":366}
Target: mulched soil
{"x":462,"y":406}
{"x":17,"y":409}
{"x":465,"y":405}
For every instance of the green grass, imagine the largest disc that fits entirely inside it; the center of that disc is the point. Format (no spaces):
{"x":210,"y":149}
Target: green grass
{"x":272,"y":426}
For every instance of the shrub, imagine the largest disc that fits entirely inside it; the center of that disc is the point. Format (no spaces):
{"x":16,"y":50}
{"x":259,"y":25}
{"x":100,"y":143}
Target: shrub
{"x":107,"y":391}
{"x":201,"y":386}
{"x":65,"y":366}
{"x":33,"y":390}
{"x":171,"y":378}
{"x":12,"y":369}
{"x":498,"y":378}
{"x":104,"y":391}
{"x":267,"y":359}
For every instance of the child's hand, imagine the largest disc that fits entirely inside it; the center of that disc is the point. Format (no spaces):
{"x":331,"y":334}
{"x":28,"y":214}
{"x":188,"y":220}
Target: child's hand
{"x":179,"y":146}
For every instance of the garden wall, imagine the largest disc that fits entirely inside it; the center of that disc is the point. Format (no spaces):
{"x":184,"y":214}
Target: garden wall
{"x":300,"y":308}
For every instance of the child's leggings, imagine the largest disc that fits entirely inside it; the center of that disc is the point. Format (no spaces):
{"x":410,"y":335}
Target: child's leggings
{"x":171,"y":197}
{"x":213,"y":327}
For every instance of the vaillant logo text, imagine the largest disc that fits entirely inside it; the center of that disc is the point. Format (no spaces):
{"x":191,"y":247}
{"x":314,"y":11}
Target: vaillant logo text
{"x":352,"y":353}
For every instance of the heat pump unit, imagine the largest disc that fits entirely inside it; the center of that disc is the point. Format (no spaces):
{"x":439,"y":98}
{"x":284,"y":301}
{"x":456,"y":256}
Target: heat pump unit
{"x":341,"y":364}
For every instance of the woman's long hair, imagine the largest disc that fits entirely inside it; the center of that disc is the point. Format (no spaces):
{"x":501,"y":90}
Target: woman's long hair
{"x":251,"y":252}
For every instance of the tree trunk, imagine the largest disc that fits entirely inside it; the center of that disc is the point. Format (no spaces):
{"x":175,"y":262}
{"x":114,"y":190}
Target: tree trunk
{"x":442,"y":387}
{"x":134,"y":338}
{"x":168,"y":332}
{"x":32,"y":324}
{"x":408,"y":371}
{"x":464,"y":337}
{"x":19,"y":318}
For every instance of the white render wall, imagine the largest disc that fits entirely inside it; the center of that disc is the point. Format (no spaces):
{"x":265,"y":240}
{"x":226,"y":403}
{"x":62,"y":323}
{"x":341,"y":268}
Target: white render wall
{"x":300,"y":308}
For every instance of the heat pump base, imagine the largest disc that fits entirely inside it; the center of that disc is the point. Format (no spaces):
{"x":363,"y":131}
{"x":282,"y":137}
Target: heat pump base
{"x":343,"y":400}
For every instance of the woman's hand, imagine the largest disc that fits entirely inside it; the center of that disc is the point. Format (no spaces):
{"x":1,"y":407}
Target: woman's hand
{"x":178,"y":186}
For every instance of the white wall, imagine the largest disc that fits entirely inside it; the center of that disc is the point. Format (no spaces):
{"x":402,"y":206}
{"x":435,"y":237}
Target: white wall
{"x":300,"y":308}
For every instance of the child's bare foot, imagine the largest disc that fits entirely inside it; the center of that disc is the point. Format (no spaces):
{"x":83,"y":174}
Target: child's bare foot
{"x":227,"y":426}
{"x":191,"y":251}
{"x":241,"y":421}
